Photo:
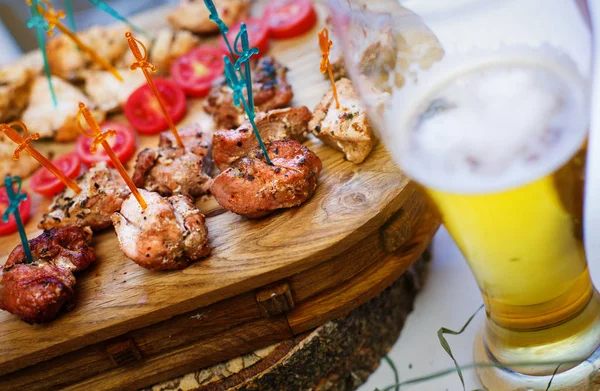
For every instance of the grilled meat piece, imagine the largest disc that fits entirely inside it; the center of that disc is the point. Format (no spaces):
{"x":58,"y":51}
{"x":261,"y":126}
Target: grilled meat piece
{"x":59,"y":122}
{"x":8,"y":166}
{"x":170,"y":170}
{"x":67,"y":60}
{"x":193,"y":15}
{"x":103,"y":192}
{"x":15,"y":88}
{"x":170,"y":234}
{"x":169,"y":45}
{"x":269,"y":88}
{"x":252,"y":188}
{"x":36,"y":292}
{"x":230,"y":145}
{"x":106,"y":92}
{"x":346,"y":129}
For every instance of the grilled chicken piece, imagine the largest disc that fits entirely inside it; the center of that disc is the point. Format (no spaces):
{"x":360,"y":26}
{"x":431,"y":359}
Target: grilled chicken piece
{"x":36,"y":292}
{"x":170,"y":170}
{"x":22,"y":167}
{"x":106,"y":92}
{"x":252,"y":188}
{"x":15,"y":87}
{"x":193,"y":15}
{"x":68,"y":61}
{"x":269,"y":88}
{"x":168,"y":45}
{"x":346,"y":129}
{"x":102,"y":193}
{"x":230,"y":145}
{"x":169,"y":234}
{"x":59,"y":122}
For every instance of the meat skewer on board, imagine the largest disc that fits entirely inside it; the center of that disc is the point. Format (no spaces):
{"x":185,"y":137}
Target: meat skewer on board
{"x":230,"y":145}
{"x":170,"y":170}
{"x":103,"y":192}
{"x":169,"y":234}
{"x":252,"y":188}
{"x":270,"y":90}
{"x":36,"y":292}
{"x":346,"y":128}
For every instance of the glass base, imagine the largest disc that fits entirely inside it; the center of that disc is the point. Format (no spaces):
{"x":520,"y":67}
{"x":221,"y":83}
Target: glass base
{"x":583,"y":377}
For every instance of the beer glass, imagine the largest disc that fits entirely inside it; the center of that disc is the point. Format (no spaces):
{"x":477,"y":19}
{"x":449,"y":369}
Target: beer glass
{"x":485,"y":104}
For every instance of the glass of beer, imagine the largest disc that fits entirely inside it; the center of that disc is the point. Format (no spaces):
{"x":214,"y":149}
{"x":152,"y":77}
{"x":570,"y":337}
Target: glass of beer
{"x":485,"y":104}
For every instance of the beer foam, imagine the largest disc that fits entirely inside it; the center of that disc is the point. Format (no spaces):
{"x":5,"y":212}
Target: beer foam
{"x":488,"y":122}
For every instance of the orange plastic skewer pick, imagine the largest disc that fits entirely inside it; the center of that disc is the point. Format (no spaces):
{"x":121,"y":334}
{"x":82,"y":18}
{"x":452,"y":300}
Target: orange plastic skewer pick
{"x":325,"y":45}
{"x":23,"y":145}
{"x":100,"y":139}
{"x":53,"y":18}
{"x":141,"y":61}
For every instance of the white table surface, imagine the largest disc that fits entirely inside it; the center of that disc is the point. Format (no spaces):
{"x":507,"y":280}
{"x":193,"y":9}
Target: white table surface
{"x":450,"y":294}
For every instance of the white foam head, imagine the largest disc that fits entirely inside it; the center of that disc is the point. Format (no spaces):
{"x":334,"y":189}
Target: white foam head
{"x":489,"y":121}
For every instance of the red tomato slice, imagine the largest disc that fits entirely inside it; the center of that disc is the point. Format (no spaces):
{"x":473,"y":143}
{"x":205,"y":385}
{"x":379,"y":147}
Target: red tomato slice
{"x":45,"y":183}
{"x":196,"y":70}
{"x":123,"y":144}
{"x":290,"y":18}
{"x":143,"y":110}
{"x":24,"y":210}
{"x":258,"y":36}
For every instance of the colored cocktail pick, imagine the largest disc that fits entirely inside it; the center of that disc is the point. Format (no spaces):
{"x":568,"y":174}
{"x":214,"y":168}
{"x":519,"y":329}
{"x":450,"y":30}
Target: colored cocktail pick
{"x":238,"y":84}
{"x":214,"y":16}
{"x":141,"y":61}
{"x":325,"y":45}
{"x":100,"y":139}
{"x":245,"y":76}
{"x":70,"y":15}
{"x":53,"y":17}
{"x":14,"y":199}
{"x":101,"y":5}
{"x":36,"y":21}
{"x":23,"y":144}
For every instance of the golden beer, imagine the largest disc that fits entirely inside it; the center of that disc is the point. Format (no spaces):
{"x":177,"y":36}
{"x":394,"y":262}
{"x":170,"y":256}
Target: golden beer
{"x":525,"y":247}
{"x":498,"y":144}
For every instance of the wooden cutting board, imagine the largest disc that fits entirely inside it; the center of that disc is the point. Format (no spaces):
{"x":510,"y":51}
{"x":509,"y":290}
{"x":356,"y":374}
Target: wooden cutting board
{"x":265,"y":281}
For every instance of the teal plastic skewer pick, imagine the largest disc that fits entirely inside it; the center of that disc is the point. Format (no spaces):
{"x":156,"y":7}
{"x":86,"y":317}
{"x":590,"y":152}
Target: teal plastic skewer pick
{"x":36,"y":21}
{"x":245,"y":78}
{"x":237,"y":85}
{"x":101,"y":5}
{"x":70,"y":15}
{"x":14,"y":200}
{"x":214,"y":16}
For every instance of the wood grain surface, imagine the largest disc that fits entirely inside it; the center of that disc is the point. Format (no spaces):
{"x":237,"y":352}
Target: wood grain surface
{"x":330,"y":240}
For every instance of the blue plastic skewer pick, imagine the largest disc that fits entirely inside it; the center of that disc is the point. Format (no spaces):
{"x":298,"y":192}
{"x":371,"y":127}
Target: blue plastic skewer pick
{"x":70,"y":15}
{"x":41,"y":26}
{"x":101,"y":5}
{"x":14,"y":200}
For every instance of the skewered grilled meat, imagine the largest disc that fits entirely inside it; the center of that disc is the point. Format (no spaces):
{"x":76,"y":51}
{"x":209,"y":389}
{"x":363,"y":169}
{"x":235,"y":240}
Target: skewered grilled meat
{"x":108,"y":93}
{"x":170,"y":170}
{"x":269,"y":88}
{"x":252,"y":188}
{"x":36,"y":292}
{"x":59,"y":122}
{"x":169,"y":234}
{"x":102,"y":193}
{"x":15,"y":87}
{"x":230,"y":145}
{"x":193,"y":15}
{"x":346,"y":129}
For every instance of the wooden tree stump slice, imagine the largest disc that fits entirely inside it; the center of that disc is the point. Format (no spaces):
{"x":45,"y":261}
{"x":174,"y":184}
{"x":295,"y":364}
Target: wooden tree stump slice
{"x":337,"y":356}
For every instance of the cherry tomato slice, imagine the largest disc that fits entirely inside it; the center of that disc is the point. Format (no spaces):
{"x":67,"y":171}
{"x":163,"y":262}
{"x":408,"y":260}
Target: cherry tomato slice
{"x":143,"y":110}
{"x":46,"y":184}
{"x":258,"y":36}
{"x":290,"y":18}
{"x":24,"y":210}
{"x":196,"y":70}
{"x":123,"y":144}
